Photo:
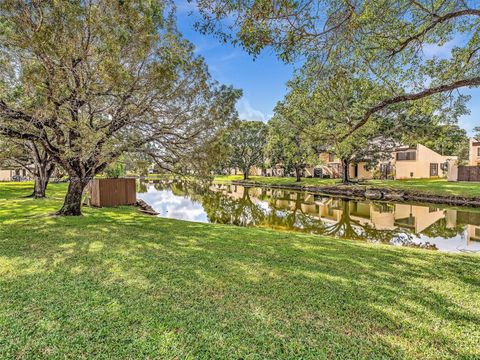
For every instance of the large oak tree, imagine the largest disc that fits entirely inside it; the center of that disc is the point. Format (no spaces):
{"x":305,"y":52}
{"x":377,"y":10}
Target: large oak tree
{"x":245,"y":142}
{"x":91,"y":80}
{"x":288,"y":143}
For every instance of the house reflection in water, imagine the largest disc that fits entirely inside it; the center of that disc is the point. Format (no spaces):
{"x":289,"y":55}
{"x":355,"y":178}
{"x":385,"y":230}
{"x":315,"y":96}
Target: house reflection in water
{"x":447,"y":228}
{"x":382,"y":222}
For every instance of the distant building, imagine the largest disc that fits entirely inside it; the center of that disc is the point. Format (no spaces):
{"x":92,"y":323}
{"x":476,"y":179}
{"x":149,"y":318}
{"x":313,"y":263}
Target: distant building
{"x":14,"y":174}
{"x":474,"y":153}
{"x":420,"y":162}
{"x":332,"y":168}
{"x":254,"y":171}
{"x":405,"y":162}
{"x":417,"y":162}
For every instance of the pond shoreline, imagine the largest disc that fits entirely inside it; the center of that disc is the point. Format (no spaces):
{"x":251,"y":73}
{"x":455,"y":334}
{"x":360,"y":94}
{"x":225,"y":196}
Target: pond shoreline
{"x":372,"y":193}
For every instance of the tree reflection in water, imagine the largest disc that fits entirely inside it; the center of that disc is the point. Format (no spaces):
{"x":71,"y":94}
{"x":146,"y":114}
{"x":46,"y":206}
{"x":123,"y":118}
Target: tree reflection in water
{"x":241,"y":210}
{"x":284,"y":211}
{"x":377,"y":222}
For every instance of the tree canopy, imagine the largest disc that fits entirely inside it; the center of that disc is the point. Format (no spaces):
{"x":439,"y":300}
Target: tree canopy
{"x":30,"y":156}
{"x":476,"y":131}
{"x":245,"y":142}
{"x":91,"y":80}
{"x":393,"y":42}
{"x":287,"y":142}
{"x":325,"y":100}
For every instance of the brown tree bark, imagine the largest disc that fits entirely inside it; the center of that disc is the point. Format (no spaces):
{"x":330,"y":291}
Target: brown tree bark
{"x":39,"y":187}
{"x":80,"y":175}
{"x":73,"y":200}
{"x":345,"y":177}
{"x":42,"y":173}
{"x":43,"y":167}
{"x":298,"y":174}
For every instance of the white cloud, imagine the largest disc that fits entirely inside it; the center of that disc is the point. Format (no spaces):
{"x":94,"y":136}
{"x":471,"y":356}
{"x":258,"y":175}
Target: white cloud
{"x":247,"y":112}
{"x":185,"y":6}
{"x":230,"y":56}
{"x":202,"y":46}
{"x":443,"y":51}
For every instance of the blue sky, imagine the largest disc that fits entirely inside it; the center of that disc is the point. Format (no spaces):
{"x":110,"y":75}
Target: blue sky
{"x":263,"y":80}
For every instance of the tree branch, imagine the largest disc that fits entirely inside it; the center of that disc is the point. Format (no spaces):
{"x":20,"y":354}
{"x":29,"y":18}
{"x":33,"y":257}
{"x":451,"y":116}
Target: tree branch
{"x":438,"y":20}
{"x":410,"y":97}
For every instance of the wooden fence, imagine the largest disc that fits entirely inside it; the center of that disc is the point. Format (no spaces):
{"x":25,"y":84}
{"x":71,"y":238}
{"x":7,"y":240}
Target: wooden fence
{"x":112,"y":192}
{"x":469,"y":173}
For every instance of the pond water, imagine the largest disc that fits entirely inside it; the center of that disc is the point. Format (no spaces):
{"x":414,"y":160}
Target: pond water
{"x":442,"y":227}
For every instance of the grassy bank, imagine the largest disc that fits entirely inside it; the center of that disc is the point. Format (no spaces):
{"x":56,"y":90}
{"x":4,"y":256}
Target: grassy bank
{"x":427,"y":186}
{"x":117,"y":284}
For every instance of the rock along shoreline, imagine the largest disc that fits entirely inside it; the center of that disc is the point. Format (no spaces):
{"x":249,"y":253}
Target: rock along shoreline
{"x":373,"y":193}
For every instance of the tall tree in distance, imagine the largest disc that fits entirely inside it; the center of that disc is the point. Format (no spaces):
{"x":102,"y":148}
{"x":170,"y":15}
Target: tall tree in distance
{"x":476,"y":133}
{"x":92,"y":80}
{"x":448,"y":139}
{"x":330,"y":97}
{"x":287,"y":143}
{"x":32,"y":157}
{"x":245,"y":142}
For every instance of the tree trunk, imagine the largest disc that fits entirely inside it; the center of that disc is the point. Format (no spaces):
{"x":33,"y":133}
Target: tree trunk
{"x":39,"y":187}
{"x":298,"y":174}
{"x":73,"y":200}
{"x":245,"y":175}
{"x":41,"y":174}
{"x":43,"y":167}
{"x":43,"y":181}
{"x":345,"y":177}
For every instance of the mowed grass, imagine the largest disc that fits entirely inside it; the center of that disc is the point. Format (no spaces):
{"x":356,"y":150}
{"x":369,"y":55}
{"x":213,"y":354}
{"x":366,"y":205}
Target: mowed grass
{"x":115,"y":284}
{"x":432,"y":186}
{"x":427,"y":186}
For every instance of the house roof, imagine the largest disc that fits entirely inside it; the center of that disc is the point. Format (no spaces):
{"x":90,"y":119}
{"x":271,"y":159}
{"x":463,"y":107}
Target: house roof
{"x":405,"y":148}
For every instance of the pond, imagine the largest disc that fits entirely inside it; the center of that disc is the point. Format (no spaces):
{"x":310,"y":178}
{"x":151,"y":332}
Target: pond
{"x":427,"y":225}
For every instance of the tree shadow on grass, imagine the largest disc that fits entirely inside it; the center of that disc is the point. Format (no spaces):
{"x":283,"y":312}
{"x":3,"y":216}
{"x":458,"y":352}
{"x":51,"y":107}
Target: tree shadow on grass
{"x":124,"y":285}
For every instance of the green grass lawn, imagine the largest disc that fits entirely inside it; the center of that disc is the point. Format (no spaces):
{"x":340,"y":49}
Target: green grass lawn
{"x":434,"y":186}
{"x":117,"y":284}
{"x":430,"y":186}
{"x":278,"y":180}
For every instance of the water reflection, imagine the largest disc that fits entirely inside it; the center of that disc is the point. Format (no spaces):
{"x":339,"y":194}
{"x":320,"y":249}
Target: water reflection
{"x":173,"y":200}
{"x":395,"y":223}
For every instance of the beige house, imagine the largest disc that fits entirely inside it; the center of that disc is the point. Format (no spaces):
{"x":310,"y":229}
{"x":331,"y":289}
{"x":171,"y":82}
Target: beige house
{"x":420,"y":162}
{"x":276,"y":170}
{"x":332,"y":167}
{"x":474,"y":153}
{"x":11,"y":174}
{"x":406,"y":163}
{"x":417,"y":162}
{"x":254,"y":171}
{"x":5,"y":174}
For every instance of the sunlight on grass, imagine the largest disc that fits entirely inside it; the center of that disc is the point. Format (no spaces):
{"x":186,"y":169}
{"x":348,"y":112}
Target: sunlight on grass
{"x":124,"y":285}
{"x":433,"y":186}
